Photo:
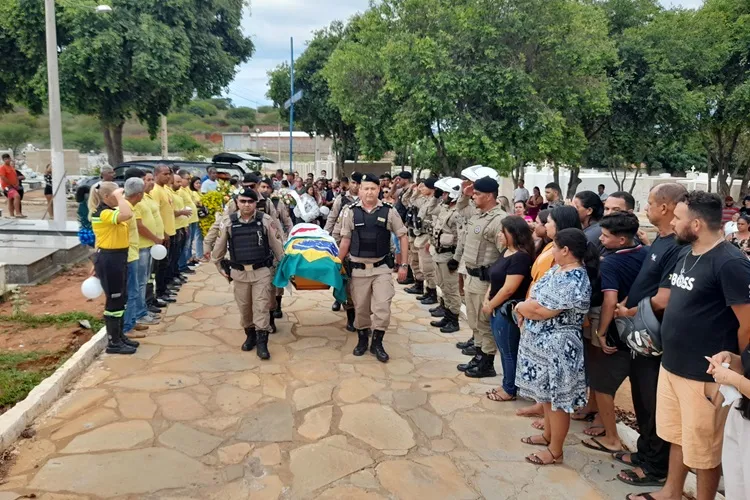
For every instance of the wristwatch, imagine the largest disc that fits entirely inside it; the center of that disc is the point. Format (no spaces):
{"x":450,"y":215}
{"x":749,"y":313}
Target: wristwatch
{"x":404,"y":266}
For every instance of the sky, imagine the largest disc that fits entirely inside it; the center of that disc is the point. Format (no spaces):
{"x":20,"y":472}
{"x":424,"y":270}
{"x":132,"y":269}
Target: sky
{"x":271,"y":23}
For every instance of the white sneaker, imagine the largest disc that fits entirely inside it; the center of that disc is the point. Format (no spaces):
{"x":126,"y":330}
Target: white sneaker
{"x":147,"y":320}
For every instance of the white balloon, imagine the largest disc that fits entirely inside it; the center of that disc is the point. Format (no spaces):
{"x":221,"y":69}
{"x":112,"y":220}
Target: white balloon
{"x":324,"y":211}
{"x":158,"y":252}
{"x":91,"y":288}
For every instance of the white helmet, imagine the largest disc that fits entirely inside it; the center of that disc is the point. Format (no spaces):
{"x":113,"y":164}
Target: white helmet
{"x":478,"y":171}
{"x":450,"y":185}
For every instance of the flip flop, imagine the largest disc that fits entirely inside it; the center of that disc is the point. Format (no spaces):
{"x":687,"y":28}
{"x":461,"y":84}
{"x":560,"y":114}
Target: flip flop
{"x":589,"y":416}
{"x":600,"y":433}
{"x":634,"y":480}
{"x":528,"y":440}
{"x":536,"y":459}
{"x":597,"y":446}
{"x":620,"y":457}
{"x":646,"y":496}
{"x":497,"y":397}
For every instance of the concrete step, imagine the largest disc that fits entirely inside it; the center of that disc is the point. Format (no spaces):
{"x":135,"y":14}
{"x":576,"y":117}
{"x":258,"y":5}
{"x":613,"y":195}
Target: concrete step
{"x":37,"y":227}
{"x":30,"y":259}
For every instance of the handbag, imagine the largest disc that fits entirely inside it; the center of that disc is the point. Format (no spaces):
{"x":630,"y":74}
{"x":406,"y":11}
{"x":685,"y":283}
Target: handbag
{"x":202,"y":212}
{"x":508,"y":310}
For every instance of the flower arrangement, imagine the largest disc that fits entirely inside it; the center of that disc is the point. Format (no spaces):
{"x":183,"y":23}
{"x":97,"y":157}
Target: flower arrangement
{"x":288,"y":200}
{"x":214,"y":204}
{"x":225,"y":189}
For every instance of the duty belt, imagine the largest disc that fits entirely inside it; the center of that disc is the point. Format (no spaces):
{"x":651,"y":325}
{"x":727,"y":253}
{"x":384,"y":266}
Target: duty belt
{"x":446,"y":250}
{"x":479,"y":272}
{"x":254,"y":267}
{"x":362,"y":265}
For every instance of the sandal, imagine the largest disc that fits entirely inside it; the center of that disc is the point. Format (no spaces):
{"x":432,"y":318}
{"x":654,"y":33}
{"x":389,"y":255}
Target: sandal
{"x":588,"y":416}
{"x":597,"y":446}
{"x":537,"y":460}
{"x":620,"y":457}
{"x":538,"y":424}
{"x":633,"y":479}
{"x":599,"y":433}
{"x":500,"y":397}
{"x":530,"y":440}
{"x":645,"y":496}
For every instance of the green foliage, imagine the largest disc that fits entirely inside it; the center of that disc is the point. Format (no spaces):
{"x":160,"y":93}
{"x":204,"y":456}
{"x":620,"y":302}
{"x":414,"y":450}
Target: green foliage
{"x":15,"y":135}
{"x":241,"y":116}
{"x":265,"y":109}
{"x":201,"y":108}
{"x":196,"y":126}
{"x":184,"y":143}
{"x":64,"y":319}
{"x":84,"y":141}
{"x":15,"y":380}
{"x":179,"y":118}
{"x":141,"y":146}
{"x":221,"y":103}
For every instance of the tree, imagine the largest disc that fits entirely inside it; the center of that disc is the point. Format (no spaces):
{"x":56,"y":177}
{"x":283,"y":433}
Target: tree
{"x":142,"y":59}
{"x":315,"y":113}
{"x":201,"y":108}
{"x":14,"y":136}
{"x":242,"y":115}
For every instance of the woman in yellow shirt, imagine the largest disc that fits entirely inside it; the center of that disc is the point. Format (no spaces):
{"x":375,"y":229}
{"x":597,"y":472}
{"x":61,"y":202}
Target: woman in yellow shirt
{"x":192,"y":222}
{"x":109,"y":212}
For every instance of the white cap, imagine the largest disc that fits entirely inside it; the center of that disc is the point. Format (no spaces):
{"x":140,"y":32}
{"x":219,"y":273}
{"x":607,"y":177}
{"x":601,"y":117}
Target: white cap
{"x":450,"y":185}
{"x":478,"y":171}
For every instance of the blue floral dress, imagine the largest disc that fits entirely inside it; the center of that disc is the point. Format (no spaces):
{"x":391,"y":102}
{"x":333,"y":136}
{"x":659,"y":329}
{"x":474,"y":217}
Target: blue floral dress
{"x":550,"y":355}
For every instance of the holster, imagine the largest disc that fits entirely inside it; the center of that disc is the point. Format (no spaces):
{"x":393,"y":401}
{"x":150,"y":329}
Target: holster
{"x":226,"y":266}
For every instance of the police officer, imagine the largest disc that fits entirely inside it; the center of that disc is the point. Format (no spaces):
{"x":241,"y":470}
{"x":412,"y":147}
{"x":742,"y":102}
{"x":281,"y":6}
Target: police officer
{"x":403,"y":192}
{"x":280,"y":215}
{"x":366,"y":229}
{"x":443,"y":248}
{"x":413,"y":200}
{"x":344,"y":199}
{"x":423,"y":228}
{"x":255,"y":249}
{"x":481,"y":248}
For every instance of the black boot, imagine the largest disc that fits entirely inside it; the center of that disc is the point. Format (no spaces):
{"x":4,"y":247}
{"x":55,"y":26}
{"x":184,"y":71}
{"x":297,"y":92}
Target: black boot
{"x":277,"y":313}
{"x":464,"y":345}
{"x":115,"y":345}
{"x":452,"y":326}
{"x":430,"y":297}
{"x":485,"y":368}
{"x":350,"y":320}
{"x":128,"y":341}
{"x":439,"y":310}
{"x":262,"y":347}
{"x":376,"y":347}
{"x":416,"y":289}
{"x":440,"y":323}
{"x":251,"y":341}
{"x":273,"y":322}
{"x":364,"y":338}
{"x":424,"y":295}
{"x":469,"y":351}
{"x":336,"y":307}
{"x":473,"y":362}
{"x":409,"y":278}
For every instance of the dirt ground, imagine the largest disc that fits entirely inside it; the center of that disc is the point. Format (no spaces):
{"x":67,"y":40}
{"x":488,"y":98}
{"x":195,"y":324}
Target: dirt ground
{"x":34,"y":206}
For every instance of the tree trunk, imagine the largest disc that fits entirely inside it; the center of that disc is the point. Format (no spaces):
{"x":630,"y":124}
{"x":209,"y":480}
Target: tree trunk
{"x":574,"y":181}
{"x":556,"y":173}
{"x":113,"y":143}
{"x":744,"y":183}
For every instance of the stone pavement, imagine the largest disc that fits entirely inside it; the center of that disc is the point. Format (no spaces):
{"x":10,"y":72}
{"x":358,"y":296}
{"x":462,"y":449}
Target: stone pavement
{"x":190,"y":416}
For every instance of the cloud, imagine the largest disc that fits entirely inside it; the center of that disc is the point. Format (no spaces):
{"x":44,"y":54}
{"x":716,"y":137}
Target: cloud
{"x":271,"y":23}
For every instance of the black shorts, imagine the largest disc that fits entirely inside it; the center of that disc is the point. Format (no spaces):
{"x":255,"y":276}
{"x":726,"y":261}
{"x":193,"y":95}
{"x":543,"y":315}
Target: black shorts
{"x":47,"y":190}
{"x":607,"y":372}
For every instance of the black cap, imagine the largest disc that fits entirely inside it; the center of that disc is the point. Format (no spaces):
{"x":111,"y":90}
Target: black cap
{"x":429,"y":183}
{"x":486,"y":185}
{"x":248,"y":193}
{"x":385,"y":176}
{"x":405,"y":175}
{"x":250,"y":178}
{"x":370,"y":178}
{"x":357,"y":177}
{"x":266,"y":180}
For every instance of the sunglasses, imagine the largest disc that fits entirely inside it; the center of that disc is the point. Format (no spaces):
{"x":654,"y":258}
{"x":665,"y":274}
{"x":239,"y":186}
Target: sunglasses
{"x":249,"y":201}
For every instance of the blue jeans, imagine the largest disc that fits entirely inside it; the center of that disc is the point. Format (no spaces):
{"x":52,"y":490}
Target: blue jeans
{"x":131,"y":309}
{"x":198,"y":242}
{"x":507,"y":337}
{"x":187,"y":250}
{"x":144,"y":274}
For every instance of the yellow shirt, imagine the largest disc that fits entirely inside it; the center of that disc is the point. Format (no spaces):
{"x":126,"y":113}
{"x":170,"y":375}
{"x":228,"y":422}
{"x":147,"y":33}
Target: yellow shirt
{"x":179,"y":204}
{"x":188,"y":199}
{"x":158,"y":223}
{"x":144,"y":211}
{"x":108,"y":233}
{"x":133,"y":235}
{"x":166,"y":208}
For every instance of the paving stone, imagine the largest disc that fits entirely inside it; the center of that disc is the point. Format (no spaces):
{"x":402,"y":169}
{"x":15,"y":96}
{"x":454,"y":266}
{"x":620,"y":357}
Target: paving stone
{"x":115,"y":436}
{"x":32,"y":454}
{"x":427,"y":422}
{"x":209,"y":312}
{"x":234,"y":400}
{"x":269,"y":455}
{"x":181,"y":339}
{"x":317,"y":354}
{"x":318,"y":318}
{"x":217,"y":423}
{"x":245,"y":381}
{"x":271,"y":423}
{"x":314,"y":371}
{"x":123,"y":366}
{"x":274,"y":386}
{"x":437,"y":385}
{"x":234,"y":454}
{"x":348,"y":493}
{"x":354,"y":390}
{"x":424,"y":477}
{"x":214,"y":298}
{"x":319,"y":464}
{"x":156,"y":469}
{"x":171,"y":354}
{"x":364,"y":479}
{"x":441,"y":369}
{"x":377,"y":425}
{"x":146,"y":351}
{"x":180,"y":406}
{"x":308,"y":343}
{"x":179,"y":309}
{"x":154,"y":382}
{"x":307,"y":397}
{"x":78,"y":401}
{"x":213,"y":362}
{"x":408,"y":400}
{"x":486,"y":434}
{"x":331,"y":332}
{"x":182,"y":323}
{"x":91,"y":420}
{"x":189,"y":441}
{"x":445,"y":403}
{"x":399,"y":367}
{"x":317,"y":422}
{"x":135,"y":404}
{"x":442,"y":445}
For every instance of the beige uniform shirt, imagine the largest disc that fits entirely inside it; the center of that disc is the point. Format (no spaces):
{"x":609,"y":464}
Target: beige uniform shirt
{"x":221,"y":247}
{"x":333,"y":217}
{"x":444,"y":233}
{"x":466,"y":209}
{"x":394,"y":224}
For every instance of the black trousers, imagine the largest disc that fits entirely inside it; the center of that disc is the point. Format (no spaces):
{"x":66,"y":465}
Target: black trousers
{"x":173,"y":255}
{"x":161,"y":270}
{"x":111,"y":267}
{"x":653,"y":452}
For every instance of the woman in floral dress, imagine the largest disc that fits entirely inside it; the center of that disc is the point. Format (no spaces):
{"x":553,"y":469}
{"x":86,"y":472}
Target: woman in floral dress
{"x":552,"y":321}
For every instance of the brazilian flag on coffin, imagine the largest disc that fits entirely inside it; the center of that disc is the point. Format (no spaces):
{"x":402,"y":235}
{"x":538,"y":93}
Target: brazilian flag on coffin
{"x":313,"y":258}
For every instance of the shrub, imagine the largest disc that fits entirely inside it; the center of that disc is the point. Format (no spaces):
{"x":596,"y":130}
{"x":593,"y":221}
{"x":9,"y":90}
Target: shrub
{"x":241,"y":116}
{"x":265,"y":109}
{"x":179,"y":118}
{"x":196,"y":126}
{"x":84,"y":141}
{"x":201,"y":108}
{"x":141,"y":146}
{"x":184,"y":143}
{"x":221,"y":103}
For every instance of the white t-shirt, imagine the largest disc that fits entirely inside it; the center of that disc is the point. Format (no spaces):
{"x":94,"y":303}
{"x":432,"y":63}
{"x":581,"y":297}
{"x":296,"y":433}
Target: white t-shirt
{"x":521,"y":194}
{"x":208,"y":185}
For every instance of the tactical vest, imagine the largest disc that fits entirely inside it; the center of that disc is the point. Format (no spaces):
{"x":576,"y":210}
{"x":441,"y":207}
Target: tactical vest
{"x":371,"y":237}
{"x":261,"y":205}
{"x":345,"y":201}
{"x":275,"y":202}
{"x":248,"y":244}
{"x":480,"y":248}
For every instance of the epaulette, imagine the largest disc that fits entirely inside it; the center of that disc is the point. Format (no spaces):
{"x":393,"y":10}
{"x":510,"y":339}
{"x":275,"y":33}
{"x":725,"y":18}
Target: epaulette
{"x":387,"y":204}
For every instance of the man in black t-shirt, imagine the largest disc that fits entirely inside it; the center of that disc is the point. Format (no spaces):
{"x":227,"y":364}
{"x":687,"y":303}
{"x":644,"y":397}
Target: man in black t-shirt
{"x":709,"y":313}
{"x":654,"y":280}
{"x":609,"y":367}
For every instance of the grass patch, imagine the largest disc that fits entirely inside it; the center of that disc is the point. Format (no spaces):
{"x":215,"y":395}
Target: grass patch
{"x":17,"y":380}
{"x":64,"y":319}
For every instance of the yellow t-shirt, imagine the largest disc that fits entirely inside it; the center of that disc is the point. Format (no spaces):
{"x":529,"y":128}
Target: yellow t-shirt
{"x":188,"y":199}
{"x":133,"y":235}
{"x":156,"y":214}
{"x":179,"y":204}
{"x":144,"y":211}
{"x":161,"y":195}
{"x":108,"y":233}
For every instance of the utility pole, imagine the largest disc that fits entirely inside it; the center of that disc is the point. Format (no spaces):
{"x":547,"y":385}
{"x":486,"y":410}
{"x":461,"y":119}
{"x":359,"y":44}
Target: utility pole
{"x":164,"y":138}
{"x":57,"y":155}
{"x":291,"y":109}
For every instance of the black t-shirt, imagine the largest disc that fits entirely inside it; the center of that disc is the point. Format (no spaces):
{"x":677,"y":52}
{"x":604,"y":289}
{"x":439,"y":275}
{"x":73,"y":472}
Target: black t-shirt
{"x":519,"y":264}
{"x":699,"y":320}
{"x":619,"y":270}
{"x":656,"y":271}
